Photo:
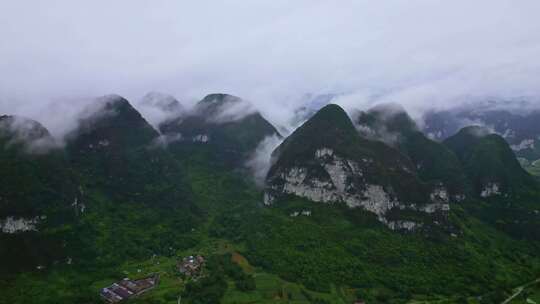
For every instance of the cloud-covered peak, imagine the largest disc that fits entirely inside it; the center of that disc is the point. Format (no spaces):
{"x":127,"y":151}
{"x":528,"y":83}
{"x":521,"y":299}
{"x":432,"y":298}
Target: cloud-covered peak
{"x":420,"y":54}
{"x":28,"y":133}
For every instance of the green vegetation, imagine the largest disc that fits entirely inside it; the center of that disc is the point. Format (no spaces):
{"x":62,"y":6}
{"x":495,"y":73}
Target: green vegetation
{"x":334,"y":255}
{"x":331,"y":128}
{"x":532,"y":167}
{"x":530,"y":295}
{"x":229,"y":141}
{"x":155,"y":206}
{"x":434,"y":161}
{"x":487,"y":158}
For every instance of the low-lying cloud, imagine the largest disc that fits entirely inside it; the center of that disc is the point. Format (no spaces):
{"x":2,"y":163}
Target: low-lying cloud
{"x":261,"y":160}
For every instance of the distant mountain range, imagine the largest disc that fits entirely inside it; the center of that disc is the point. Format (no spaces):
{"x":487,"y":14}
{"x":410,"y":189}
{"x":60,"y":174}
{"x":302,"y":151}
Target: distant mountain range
{"x":517,"y":121}
{"x":520,"y":127}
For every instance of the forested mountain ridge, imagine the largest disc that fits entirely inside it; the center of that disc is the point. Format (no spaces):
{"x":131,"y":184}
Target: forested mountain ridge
{"x":436,"y":163}
{"x":225,"y":126}
{"x":120,"y":199}
{"x":326,"y":160}
{"x":517,"y":122}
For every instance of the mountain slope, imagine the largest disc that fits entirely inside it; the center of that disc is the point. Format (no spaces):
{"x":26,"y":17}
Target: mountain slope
{"x":489,"y":162}
{"x":37,"y":193}
{"x":435,"y":162}
{"x":117,"y":151}
{"x":28,"y":156}
{"x":325,"y":160}
{"x":225,"y":127}
{"x":508,"y":194}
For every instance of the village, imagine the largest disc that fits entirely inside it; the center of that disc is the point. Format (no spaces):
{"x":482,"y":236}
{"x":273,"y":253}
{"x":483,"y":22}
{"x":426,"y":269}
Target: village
{"x":189,"y":267}
{"x":126,"y":289}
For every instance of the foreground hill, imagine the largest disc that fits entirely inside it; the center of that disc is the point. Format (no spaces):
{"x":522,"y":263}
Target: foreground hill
{"x":225,"y":127}
{"x":37,"y":192}
{"x":326,"y":160}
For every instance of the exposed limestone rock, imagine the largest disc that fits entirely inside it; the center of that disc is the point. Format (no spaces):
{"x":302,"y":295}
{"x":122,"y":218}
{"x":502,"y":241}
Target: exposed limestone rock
{"x":373,"y":199}
{"x":432,"y":208}
{"x":342,"y":180}
{"x":324,"y":152}
{"x":202,"y":138}
{"x":268,"y":199}
{"x":79,"y":206}
{"x":490,"y":189}
{"x":403,"y":225}
{"x":440,"y":195}
{"x":459,"y":197}
{"x":13,"y":225}
{"x":298,"y":213}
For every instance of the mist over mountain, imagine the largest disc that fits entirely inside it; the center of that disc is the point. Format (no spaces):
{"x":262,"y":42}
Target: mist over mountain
{"x":306,"y":152}
{"x":363,"y":51}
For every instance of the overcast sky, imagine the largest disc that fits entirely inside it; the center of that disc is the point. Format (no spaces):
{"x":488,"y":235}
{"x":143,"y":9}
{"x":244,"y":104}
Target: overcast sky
{"x":414,"y":52}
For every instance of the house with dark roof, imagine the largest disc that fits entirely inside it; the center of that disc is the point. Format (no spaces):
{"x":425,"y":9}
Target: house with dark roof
{"x":191,"y":266}
{"x":127,"y":289}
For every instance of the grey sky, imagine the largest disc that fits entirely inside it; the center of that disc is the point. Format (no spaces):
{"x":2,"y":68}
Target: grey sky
{"x":415,"y":52}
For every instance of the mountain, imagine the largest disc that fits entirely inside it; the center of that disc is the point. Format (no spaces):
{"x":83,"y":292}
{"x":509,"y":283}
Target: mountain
{"x":28,"y":156}
{"x":434,"y":162}
{"x":225,"y":127}
{"x":489,"y":162}
{"x":508,"y":194}
{"x":120,"y":201}
{"x":56,"y":201}
{"x":38,"y":191}
{"x":518,"y":125}
{"x":163,"y":102}
{"x":116,"y":150}
{"x":326,"y":160}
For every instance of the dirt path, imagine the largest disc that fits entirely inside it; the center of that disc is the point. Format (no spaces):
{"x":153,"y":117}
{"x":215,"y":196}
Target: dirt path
{"x":519,"y":290}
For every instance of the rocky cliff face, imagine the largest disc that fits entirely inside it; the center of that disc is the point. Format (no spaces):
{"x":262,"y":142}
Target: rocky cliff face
{"x":326,"y":161}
